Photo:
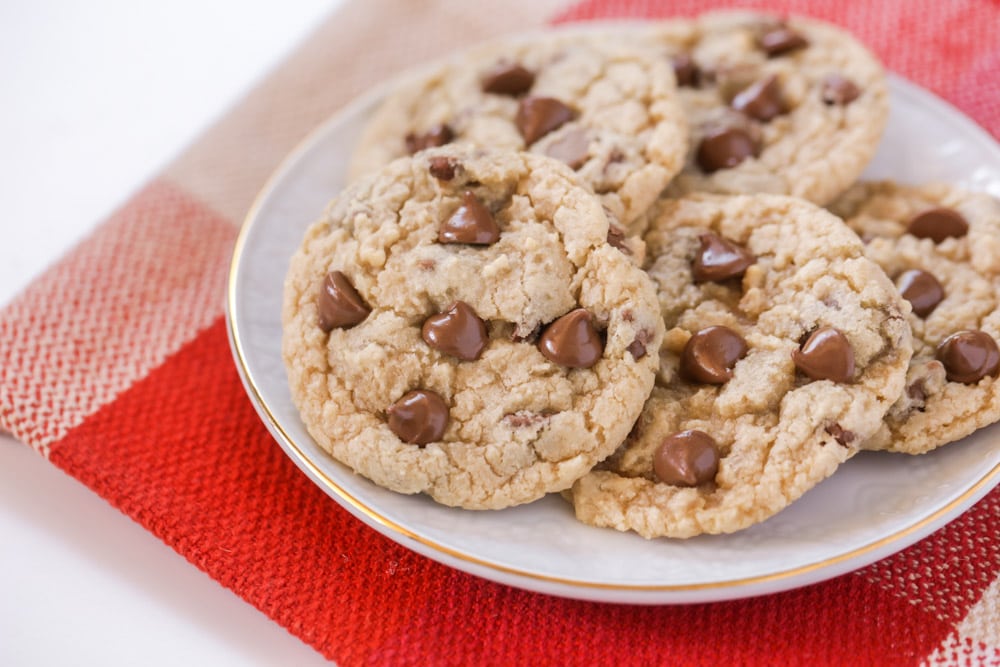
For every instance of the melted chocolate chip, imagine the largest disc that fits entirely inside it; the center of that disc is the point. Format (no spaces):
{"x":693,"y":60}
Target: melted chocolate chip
{"x":711,"y":354}
{"x":762,"y":100}
{"x":720,"y":259}
{"x":616,"y":239}
{"x":917,"y":391}
{"x":419,"y":417}
{"x":938,"y":224}
{"x":442,"y":168}
{"x":572,"y":340}
{"x":838,"y":90}
{"x":508,"y":79}
{"x":781,"y":40}
{"x":537,"y":116}
{"x":969,"y":356}
{"x":339,"y":304}
{"x":921,"y":289}
{"x":637,"y":348}
{"x":523,"y":418}
{"x":573,"y":148}
{"x":725,"y":149}
{"x":826,"y":355}
{"x":688,"y":458}
{"x":439,"y":135}
{"x":841,"y":435}
{"x":686,"y":71}
{"x":472,"y":223}
{"x":457,"y":331}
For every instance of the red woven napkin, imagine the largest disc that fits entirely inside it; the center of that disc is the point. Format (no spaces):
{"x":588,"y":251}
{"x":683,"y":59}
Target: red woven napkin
{"x":130,"y":388}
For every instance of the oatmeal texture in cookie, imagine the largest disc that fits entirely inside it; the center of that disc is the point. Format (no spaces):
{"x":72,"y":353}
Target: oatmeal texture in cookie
{"x":458,"y":324}
{"x":941,"y":245}
{"x":593,"y":100}
{"x":784,"y":349}
{"x":792,"y":107}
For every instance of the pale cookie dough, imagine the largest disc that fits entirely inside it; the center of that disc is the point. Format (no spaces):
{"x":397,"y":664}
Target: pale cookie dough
{"x":818,"y":143}
{"x":627,"y":138}
{"x":518,"y":424}
{"x":932,"y":410}
{"x":778,"y":432}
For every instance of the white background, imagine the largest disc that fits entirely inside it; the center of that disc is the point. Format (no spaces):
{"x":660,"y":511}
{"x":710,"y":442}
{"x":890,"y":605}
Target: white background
{"x":95,"y":97}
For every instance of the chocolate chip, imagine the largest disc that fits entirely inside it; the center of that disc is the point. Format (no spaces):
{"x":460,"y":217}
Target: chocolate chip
{"x":688,"y":458}
{"x":720,"y":259}
{"x":339,"y":304}
{"x":826,"y":355}
{"x":537,"y":116}
{"x":439,"y":135}
{"x":840,"y":434}
{"x":616,"y":239}
{"x":917,"y":391}
{"x":921,"y":289}
{"x":419,"y":417}
{"x":442,"y":168}
{"x":725,"y":148}
{"x":781,"y":40}
{"x":762,"y":100}
{"x":969,"y":356}
{"x":839,"y":90}
{"x":711,"y":354}
{"x":637,"y":348}
{"x":523,"y":418}
{"x":472,"y":223}
{"x":457,"y":331}
{"x":686,"y":71}
{"x":572,"y":340}
{"x":573,"y":148}
{"x":938,"y":224}
{"x":508,"y":79}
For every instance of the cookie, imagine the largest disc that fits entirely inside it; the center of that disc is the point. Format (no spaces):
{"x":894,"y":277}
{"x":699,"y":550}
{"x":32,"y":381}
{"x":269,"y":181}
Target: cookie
{"x":784,"y":349}
{"x":593,"y":100}
{"x":458,"y":324}
{"x":941,"y":245}
{"x":794,"y":107}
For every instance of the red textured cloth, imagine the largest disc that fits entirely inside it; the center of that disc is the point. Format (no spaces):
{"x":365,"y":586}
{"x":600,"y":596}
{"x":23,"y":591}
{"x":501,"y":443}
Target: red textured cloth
{"x":133,"y":392}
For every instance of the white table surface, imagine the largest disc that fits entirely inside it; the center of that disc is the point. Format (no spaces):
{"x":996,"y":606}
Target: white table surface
{"x":96,"y":98}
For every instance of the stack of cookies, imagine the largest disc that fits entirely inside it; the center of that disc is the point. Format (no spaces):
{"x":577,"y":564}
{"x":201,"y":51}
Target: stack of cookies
{"x":595,"y":262}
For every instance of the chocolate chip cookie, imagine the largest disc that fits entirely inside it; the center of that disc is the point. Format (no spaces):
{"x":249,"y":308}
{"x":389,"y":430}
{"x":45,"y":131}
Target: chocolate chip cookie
{"x":458,"y":324}
{"x":941,"y":245}
{"x":792,"y":107}
{"x":593,"y":100}
{"x":784,"y":349}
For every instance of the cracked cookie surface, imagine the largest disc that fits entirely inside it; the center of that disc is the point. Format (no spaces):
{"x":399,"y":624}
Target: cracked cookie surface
{"x":798,"y":112}
{"x":523,"y":409}
{"x":952,"y":275}
{"x":779,"y":274}
{"x":619,"y":125}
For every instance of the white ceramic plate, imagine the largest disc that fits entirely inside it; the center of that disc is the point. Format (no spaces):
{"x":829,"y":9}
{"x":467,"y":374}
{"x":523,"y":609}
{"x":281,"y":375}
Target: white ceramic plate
{"x":875,"y":505}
